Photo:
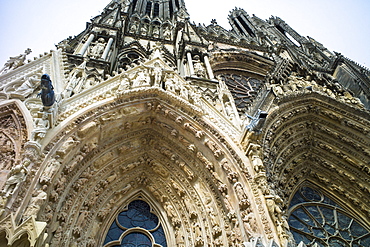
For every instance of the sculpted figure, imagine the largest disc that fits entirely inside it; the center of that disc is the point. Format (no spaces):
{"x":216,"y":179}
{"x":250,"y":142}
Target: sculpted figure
{"x":157,"y":74}
{"x":125,"y":83}
{"x":28,"y":86}
{"x":16,"y":176}
{"x":97,"y":50}
{"x":198,"y":67}
{"x":47,"y":91}
{"x":142,"y":79}
{"x":15,"y":62}
{"x":38,"y":198}
{"x":42,"y":125}
{"x":255,"y":156}
{"x":167,"y":33}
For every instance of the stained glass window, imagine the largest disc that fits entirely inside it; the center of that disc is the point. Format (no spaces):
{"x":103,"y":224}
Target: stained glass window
{"x":244,"y":90}
{"x":316,"y":219}
{"x":136,"y":227}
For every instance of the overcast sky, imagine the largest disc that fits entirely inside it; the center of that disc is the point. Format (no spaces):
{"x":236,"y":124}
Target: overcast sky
{"x":340,"y":25}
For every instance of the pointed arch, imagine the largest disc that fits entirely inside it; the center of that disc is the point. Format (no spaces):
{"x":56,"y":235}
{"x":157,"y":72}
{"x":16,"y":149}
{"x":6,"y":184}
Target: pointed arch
{"x":146,"y":140}
{"x":313,"y":137}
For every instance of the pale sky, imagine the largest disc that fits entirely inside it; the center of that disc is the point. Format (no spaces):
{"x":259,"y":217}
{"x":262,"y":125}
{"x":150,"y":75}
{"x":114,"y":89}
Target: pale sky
{"x":340,"y":25}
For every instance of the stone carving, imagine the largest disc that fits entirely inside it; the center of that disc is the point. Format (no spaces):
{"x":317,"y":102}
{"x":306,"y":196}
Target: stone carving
{"x":49,"y":171}
{"x":198,"y":67}
{"x":29,"y":85}
{"x":41,"y":127}
{"x":198,"y":133}
{"x":125,"y":83}
{"x":214,"y":148}
{"x":38,"y":199}
{"x":97,"y":50}
{"x":7,"y":147}
{"x":254,"y":154}
{"x":76,"y":78}
{"x":47,"y":91}
{"x":243,"y":199}
{"x":15,"y":178}
{"x":141,"y":78}
{"x":15,"y":62}
{"x":157,"y":75}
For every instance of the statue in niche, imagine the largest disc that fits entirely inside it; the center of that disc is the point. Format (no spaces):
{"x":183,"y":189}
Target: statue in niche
{"x":171,"y":83}
{"x":157,"y":74}
{"x":28,"y":86}
{"x":41,"y":126}
{"x":141,"y":79}
{"x":134,"y":26}
{"x":15,"y":62}
{"x":47,"y":91}
{"x":97,"y":50}
{"x":155,"y":31}
{"x":198,"y":67}
{"x":38,"y":198}
{"x":169,"y":210}
{"x":255,"y":156}
{"x":15,"y":177}
{"x":167,"y":33}
{"x":144,"y":29}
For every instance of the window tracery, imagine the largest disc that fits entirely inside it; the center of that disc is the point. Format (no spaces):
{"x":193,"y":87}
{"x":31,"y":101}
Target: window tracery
{"x":314,"y":218}
{"x":136,"y":226}
{"x":243,"y":88}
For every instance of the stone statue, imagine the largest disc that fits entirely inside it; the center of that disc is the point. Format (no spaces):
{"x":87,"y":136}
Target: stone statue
{"x":97,"y":50}
{"x":15,"y":62}
{"x":16,"y":176}
{"x":157,"y":74}
{"x":41,"y":127}
{"x":38,"y":198}
{"x":198,"y":67}
{"x":28,"y":86}
{"x":47,"y":91}
{"x":255,"y":156}
{"x":142,"y":79}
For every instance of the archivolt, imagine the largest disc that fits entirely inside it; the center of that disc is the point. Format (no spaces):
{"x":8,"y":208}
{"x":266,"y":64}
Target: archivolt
{"x":310,"y":138}
{"x":139,"y":145}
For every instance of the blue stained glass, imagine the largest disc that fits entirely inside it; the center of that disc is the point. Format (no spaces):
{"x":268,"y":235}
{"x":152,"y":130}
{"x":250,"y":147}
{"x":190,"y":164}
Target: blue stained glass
{"x":136,"y":239}
{"x":323,"y":222}
{"x":159,"y":237}
{"x":311,"y":194}
{"x":365,"y":241}
{"x":357,"y":230}
{"x":315,"y":213}
{"x":138,"y":215}
{"x":343,"y":220}
{"x":304,"y":217}
{"x":114,"y":233}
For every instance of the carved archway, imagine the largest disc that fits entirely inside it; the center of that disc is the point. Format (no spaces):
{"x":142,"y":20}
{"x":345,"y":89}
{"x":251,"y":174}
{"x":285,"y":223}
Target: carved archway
{"x":312,"y":137}
{"x":152,"y":143}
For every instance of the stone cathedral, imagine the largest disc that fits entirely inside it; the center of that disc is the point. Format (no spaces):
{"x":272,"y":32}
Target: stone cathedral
{"x":148,"y":130}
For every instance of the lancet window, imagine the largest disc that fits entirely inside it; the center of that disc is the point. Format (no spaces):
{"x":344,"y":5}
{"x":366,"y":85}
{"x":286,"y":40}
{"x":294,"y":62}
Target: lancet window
{"x":314,"y":218}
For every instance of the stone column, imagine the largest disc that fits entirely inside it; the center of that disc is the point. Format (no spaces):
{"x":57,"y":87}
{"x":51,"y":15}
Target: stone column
{"x":208,"y":67}
{"x":86,"y":45}
{"x":107,"y":48}
{"x":190,"y":63}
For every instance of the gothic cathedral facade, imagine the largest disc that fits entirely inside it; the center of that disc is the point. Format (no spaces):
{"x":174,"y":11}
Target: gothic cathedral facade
{"x":148,"y":130}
